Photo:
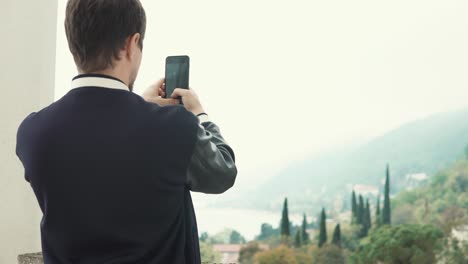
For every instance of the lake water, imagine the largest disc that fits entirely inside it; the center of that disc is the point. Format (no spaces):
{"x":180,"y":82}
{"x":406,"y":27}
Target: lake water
{"x":246,"y":221}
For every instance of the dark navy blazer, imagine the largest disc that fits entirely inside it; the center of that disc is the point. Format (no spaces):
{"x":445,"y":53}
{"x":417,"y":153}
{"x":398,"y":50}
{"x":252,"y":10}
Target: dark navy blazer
{"x":113,"y":173}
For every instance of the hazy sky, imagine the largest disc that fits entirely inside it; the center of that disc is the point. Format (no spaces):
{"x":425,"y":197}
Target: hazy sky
{"x":287,"y":78}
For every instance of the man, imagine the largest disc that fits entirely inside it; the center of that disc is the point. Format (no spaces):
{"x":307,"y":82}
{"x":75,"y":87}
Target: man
{"x":112,"y":171}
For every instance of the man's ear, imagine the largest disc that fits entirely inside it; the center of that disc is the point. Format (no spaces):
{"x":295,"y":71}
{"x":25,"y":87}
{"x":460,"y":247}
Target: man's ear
{"x":133,"y":45}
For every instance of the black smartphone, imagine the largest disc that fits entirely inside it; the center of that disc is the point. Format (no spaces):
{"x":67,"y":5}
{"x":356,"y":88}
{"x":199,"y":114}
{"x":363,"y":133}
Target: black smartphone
{"x":177,"y":73}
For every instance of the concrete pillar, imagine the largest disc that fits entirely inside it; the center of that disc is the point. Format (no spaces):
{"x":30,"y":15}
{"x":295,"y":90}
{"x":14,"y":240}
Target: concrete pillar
{"x":27,"y":69}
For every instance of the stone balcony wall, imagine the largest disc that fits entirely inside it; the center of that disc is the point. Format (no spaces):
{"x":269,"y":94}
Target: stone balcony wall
{"x":32,"y":258}
{"x":36,"y":258}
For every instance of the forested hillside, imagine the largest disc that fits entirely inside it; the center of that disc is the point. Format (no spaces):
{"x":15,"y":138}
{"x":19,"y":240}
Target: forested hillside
{"x":424,"y":146}
{"x":443,"y":202}
{"x":427,"y":225}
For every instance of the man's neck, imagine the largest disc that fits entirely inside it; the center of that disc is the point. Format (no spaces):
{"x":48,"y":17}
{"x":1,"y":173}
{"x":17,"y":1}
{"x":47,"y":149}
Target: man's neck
{"x":112,"y":73}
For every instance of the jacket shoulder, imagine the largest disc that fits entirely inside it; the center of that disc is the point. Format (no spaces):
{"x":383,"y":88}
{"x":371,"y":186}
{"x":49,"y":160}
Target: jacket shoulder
{"x":174,"y":115}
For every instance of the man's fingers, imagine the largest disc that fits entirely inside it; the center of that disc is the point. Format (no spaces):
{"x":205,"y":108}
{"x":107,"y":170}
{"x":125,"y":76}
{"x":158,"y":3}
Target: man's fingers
{"x":160,"y":83}
{"x":161,"y":92}
{"x":166,"y":101}
{"x":179,"y":92}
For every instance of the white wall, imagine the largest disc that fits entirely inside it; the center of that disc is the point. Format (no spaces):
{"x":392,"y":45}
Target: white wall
{"x":27,"y":68}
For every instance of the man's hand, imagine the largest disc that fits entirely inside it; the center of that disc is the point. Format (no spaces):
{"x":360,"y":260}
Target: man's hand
{"x":189,"y":99}
{"x":156,"y":92}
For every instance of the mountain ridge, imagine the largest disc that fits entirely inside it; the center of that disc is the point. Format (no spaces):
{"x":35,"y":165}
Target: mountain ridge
{"x":425,"y":145}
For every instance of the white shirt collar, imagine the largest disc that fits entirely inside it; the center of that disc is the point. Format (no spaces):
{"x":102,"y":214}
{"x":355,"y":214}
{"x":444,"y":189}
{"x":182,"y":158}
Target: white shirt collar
{"x":97,"y":81}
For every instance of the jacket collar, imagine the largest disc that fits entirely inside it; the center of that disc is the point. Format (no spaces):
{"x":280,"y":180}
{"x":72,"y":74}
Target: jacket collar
{"x":98,"y":80}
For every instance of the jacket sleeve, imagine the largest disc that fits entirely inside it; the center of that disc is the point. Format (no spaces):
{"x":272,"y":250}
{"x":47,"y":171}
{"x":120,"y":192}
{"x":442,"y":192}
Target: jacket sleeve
{"x":212,"y":167}
{"x":23,"y":143}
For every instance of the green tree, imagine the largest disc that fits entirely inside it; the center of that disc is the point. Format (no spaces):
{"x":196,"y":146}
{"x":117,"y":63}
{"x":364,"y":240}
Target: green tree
{"x":304,"y":235}
{"x":466,"y":151}
{"x":452,"y":217}
{"x":367,"y":218}
{"x":221,"y":237}
{"x":329,"y":254}
{"x":323,"y":228}
{"x":362,"y":218}
{"x":285,"y":220}
{"x":204,"y":237}
{"x":208,"y":254}
{"x":336,"y":240}
{"x":353,"y":208}
{"x":267,"y":231}
{"x":236,"y":238}
{"x":455,"y":252}
{"x":378,"y":219}
{"x":297,"y":239}
{"x":386,"y":213}
{"x":350,"y":236}
{"x":303,"y":257}
{"x":247,"y":253}
{"x":360,"y":211}
{"x":281,"y":254}
{"x":400,"y":244}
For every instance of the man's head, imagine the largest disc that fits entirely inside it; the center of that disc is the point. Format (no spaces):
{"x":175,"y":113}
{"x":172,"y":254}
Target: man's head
{"x":106,"y":36}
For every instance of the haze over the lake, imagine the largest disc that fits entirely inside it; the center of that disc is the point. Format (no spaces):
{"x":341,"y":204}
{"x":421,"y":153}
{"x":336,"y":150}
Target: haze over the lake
{"x":284,"y":79}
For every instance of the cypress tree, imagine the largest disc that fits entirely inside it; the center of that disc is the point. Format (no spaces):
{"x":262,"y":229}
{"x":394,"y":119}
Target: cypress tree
{"x":319,"y":216}
{"x":367,"y":220}
{"x":378,"y":219}
{"x":323,"y":229}
{"x":285,"y":219}
{"x":304,"y":234}
{"x":361,"y":217}
{"x":386,"y":214}
{"x":297,"y":239}
{"x":360,"y":211}
{"x":353,"y":208}
{"x":337,"y":236}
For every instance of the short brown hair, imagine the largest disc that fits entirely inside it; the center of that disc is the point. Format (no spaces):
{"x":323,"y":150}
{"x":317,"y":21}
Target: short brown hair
{"x":98,"y":29}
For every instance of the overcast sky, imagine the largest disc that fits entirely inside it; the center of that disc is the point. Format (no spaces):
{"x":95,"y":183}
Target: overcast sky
{"x":284,"y":79}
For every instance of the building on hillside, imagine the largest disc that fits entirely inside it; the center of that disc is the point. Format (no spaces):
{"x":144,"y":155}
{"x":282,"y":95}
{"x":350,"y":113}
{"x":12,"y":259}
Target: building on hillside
{"x":460,"y":233}
{"x":230,"y":252}
{"x":415,"y":180}
{"x":345,"y":217}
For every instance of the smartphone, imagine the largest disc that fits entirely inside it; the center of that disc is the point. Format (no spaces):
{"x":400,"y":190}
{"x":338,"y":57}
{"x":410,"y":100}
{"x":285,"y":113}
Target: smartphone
{"x":177,"y":73}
